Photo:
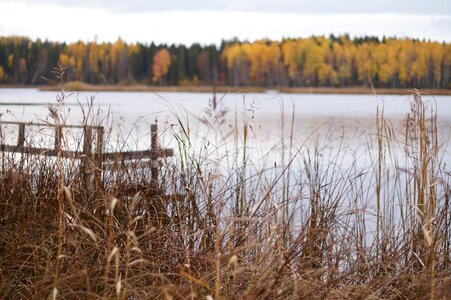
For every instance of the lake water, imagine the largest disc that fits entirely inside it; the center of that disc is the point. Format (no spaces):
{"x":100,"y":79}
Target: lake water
{"x":268,"y":114}
{"x":131,"y":107}
{"x":30,"y":104}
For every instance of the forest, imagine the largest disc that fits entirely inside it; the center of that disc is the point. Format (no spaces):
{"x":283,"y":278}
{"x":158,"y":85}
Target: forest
{"x":334,"y":61}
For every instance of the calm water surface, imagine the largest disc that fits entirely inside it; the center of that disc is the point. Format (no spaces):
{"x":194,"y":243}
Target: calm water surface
{"x":270,"y":115}
{"x":28,"y":104}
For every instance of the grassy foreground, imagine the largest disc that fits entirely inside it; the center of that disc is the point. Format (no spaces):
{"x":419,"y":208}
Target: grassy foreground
{"x":312,"y":227}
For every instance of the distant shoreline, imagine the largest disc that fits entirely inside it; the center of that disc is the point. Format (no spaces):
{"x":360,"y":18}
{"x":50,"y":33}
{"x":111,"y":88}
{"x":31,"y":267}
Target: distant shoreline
{"x":83,"y":87}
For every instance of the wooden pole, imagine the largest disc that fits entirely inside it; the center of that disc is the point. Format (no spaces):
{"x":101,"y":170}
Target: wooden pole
{"x":86,"y":157}
{"x":154,"y":160}
{"x":87,"y":141}
{"x":99,"y":156}
{"x":21,"y":136}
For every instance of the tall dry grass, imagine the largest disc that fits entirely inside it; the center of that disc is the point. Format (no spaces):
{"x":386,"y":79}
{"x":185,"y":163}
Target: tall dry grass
{"x":320,"y":224}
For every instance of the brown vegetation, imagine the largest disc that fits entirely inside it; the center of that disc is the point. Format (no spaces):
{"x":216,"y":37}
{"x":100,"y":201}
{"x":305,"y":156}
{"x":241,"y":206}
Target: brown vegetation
{"x":304,"y":229}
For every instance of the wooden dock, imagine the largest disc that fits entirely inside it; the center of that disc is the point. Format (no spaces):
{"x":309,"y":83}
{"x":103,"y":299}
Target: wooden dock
{"x":88,"y":154}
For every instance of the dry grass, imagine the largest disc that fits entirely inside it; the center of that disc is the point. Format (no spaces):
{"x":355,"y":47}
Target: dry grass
{"x":311,"y":227}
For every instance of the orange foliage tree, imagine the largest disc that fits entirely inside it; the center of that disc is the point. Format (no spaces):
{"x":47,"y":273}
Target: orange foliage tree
{"x":161,"y":63}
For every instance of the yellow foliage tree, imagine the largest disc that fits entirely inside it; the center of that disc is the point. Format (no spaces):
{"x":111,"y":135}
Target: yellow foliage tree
{"x":446,"y":66}
{"x":93,"y":57}
{"x":290,"y":54}
{"x":437,"y":56}
{"x":343,"y":57}
{"x":66,"y":60}
{"x":236,"y":60}
{"x":405,"y":57}
{"x":10,"y":61}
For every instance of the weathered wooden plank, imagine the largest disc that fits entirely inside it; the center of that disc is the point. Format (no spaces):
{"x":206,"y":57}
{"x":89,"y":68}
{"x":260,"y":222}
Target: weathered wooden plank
{"x":131,"y":155}
{"x":128,"y":155}
{"x":48,"y":125}
{"x":41,"y":151}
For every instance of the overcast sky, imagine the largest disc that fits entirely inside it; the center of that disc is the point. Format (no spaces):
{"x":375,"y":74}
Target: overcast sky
{"x":209,"y":21}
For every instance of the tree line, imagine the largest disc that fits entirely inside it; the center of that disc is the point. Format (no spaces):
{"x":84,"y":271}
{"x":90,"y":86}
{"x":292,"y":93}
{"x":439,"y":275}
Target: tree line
{"x":304,"y":62}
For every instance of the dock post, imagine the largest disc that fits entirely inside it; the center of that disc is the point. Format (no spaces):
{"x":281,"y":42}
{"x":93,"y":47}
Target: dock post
{"x":99,"y":156}
{"x":154,"y":158}
{"x":21,"y":136}
{"x":86,"y":156}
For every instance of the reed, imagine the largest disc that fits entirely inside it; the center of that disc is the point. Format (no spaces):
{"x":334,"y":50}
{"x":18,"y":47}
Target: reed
{"x":319,"y":220}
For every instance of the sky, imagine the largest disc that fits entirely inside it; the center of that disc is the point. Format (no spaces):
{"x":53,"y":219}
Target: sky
{"x":210,"y":21}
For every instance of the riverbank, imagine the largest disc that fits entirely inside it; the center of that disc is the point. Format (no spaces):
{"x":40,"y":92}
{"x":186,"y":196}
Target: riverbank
{"x":84,"y":87}
{"x":363,"y":91}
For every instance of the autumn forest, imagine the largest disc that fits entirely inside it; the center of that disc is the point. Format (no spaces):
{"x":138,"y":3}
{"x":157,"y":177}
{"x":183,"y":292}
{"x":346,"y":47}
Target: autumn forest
{"x":305,"y":62}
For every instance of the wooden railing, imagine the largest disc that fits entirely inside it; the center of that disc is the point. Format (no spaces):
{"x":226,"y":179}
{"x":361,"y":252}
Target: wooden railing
{"x":88,"y":153}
